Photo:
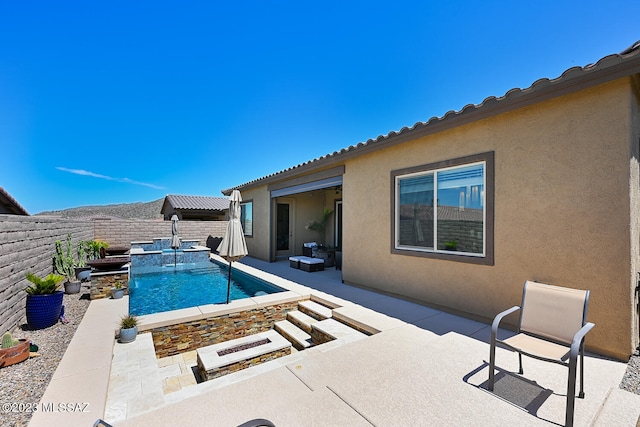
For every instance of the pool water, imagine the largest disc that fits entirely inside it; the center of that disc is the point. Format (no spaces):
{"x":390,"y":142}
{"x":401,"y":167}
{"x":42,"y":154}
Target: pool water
{"x":204,"y":283}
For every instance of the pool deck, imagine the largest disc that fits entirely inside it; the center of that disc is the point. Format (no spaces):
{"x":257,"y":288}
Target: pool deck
{"x":424,"y":367}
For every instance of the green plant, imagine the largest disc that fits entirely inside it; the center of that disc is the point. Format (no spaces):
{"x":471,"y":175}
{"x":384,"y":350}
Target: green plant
{"x":82,"y":254}
{"x":117,"y":285}
{"x":8,"y":341}
{"x":41,"y":286}
{"x":129,"y":321}
{"x":92,"y":247}
{"x":320,"y":226}
{"x":451,"y":245}
{"x":63,"y":259}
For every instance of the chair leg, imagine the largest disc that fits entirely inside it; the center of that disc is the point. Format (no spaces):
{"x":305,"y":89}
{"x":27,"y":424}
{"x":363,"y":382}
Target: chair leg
{"x":521,"y":371}
{"x":571,"y":392}
{"x":492,"y":363}
{"x":581,"y":394}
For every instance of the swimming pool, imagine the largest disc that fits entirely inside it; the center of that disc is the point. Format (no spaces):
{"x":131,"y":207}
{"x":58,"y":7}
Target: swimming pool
{"x":168,"y":288}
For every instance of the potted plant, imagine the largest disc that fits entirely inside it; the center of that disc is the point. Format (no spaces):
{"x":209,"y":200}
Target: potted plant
{"x":117,"y":291}
{"x":95,"y":249}
{"x":128,"y":328}
{"x":451,"y":245}
{"x":13,"y":351}
{"x":44,"y":300}
{"x":325,"y":252}
{"x":82,"y":270}
{"x":64,"y":265}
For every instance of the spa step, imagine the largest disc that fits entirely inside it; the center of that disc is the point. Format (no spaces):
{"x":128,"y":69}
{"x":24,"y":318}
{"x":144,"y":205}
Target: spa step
{"x":315,"y":310}
{"x":301,"y":320}
{"x":299,"y":338}
{"x":332,"y":329}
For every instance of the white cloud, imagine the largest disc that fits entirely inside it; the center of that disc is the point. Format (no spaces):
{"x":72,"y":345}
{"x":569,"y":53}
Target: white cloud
{"x":109,"y":178}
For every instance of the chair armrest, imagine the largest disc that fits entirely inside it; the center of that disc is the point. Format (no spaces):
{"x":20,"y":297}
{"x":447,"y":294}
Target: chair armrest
{"x":498,"y":319}
{"x":578,"y":337}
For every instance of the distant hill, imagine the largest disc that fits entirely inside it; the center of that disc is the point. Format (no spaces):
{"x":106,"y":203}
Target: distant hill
{"x":148,"y":210}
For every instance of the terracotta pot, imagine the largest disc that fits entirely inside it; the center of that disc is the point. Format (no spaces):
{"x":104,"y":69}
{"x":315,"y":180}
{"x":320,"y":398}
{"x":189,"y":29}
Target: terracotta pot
{"x":15,"y":354}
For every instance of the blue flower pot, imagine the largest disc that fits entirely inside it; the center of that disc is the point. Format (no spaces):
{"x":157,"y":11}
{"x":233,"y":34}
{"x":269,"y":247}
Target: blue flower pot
{"x":128,"y":335}
{"x":44,"y":310}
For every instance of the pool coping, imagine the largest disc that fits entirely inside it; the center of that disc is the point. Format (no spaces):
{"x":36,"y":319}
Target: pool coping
{"x":292,"y":292}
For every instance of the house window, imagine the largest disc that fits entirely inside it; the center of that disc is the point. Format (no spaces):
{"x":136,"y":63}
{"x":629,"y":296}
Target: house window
{"x":445,"y":210}
{"x":246,"y":218}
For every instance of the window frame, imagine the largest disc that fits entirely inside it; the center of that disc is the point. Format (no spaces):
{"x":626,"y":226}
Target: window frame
{"x":242,"y":204}
{"x":489,"y":177}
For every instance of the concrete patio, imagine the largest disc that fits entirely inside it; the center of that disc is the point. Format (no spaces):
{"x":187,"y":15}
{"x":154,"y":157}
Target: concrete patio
{"x":424,"y":367}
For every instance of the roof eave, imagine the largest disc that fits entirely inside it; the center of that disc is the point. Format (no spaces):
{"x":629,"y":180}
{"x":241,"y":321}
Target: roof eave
{"x":607,"y":69}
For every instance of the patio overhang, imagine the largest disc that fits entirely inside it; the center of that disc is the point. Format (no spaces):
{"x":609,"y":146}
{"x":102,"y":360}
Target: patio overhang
{"x":324,"y":179}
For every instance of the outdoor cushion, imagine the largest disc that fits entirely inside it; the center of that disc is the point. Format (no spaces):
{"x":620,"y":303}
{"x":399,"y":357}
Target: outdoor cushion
{"x":309,"y":249}
{"x":294,"y":262}
{"x":311,"y":264}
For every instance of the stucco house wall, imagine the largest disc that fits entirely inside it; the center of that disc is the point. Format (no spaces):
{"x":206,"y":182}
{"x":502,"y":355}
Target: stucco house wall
{"x":562,"y":211}
{"x":563,"y":206}
{"x":258,"y":243}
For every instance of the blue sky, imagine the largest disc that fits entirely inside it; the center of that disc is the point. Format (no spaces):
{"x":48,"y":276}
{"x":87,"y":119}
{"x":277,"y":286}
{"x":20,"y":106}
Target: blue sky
{"x":122,"y":102}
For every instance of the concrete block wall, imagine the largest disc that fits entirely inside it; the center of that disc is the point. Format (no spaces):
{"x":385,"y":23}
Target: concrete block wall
{"x":123,"y":232}
{"x":27,"y":243}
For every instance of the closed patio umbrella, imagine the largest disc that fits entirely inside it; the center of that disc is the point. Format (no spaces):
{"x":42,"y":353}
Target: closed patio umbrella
{"x":233,"y":246}
{"x":175,"y":240}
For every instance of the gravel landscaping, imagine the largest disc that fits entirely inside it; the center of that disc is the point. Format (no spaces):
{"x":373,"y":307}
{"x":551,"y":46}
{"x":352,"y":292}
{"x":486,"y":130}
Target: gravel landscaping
{"x":22,"y":385}
{"x":631,"y":379}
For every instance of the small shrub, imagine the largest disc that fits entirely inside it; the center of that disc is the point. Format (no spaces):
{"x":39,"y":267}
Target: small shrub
{"x":42,"y":286}
{"x":128,"y":322}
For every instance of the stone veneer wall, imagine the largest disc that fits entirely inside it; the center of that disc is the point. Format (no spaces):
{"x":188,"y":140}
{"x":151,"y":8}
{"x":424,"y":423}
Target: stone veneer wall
{"x":242,"y":364}
{"x":102,"y":283}
{"x":179,"y":338}
{"x":118,"y":232}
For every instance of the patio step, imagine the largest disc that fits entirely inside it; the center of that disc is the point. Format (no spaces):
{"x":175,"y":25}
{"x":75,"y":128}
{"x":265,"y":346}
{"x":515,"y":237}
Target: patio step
{"x":315,"y":310}
{"x":338,"y":330}
{"x":301,"y":320}
{"x":296,"y":336}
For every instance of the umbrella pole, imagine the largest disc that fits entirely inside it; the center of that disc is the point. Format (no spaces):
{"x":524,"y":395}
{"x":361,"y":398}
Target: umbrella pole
{"x":175,"y":257}
{"x":229,"y":282}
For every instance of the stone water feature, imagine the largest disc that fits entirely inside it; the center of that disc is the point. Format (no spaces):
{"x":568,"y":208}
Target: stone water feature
{"x":158,"y":253}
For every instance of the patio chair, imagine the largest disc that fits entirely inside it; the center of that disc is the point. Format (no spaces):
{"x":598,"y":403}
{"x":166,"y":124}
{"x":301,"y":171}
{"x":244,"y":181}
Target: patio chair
{"x":552,"y":328}
{"x":310,"y":249}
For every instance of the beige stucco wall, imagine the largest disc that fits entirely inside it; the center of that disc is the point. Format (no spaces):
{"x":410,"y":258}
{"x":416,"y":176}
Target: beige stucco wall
{"x":562,"y":212}
{"x":258,"y":245}
{"x":634,"y":197}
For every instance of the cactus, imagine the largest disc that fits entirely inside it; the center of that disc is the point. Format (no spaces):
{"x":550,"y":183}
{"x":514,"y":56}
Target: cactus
{"x":63,"y":259}
{"x":8,"y":341}
{"x":82,"y":254}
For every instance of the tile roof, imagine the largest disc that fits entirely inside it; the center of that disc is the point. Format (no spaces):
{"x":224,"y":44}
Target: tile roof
{"x":576,"y":78}
{"x":10,"y":204}
{"x":206,"y":203}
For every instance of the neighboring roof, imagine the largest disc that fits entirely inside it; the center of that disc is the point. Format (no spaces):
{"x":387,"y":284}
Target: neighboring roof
{"x":200,"y":203}
{"x":10,"y":204}
{"x":609,"y":68}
